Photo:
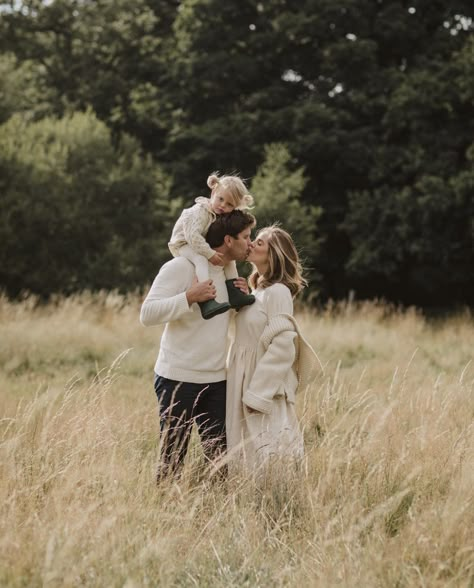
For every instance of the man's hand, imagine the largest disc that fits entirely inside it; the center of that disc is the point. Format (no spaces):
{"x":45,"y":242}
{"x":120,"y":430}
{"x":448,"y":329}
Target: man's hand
{"x":200,"y":291}
{"x":216,"y":259}
{"x":241,"y":284}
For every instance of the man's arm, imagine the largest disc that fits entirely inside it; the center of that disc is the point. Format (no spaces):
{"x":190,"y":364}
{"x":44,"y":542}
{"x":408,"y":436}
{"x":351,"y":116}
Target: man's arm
{"x":170,"y":297}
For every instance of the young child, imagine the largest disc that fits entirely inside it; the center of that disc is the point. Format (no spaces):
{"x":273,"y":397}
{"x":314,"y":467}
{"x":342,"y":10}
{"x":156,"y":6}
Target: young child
{"x":188,"y":238}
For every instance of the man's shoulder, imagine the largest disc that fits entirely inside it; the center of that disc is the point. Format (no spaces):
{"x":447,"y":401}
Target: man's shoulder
{"x":178,"y":264}
{"x":178,"y":268}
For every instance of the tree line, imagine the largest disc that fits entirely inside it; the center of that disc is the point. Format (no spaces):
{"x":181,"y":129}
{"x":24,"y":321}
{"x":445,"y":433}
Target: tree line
{"x":352,"y":121}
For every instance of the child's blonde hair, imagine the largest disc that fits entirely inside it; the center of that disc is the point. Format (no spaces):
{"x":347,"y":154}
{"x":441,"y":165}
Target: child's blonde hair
{"x":234,"y":187}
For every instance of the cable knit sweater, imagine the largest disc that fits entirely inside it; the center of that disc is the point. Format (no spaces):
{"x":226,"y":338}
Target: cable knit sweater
{"x":191,"y":228}
{"x":264,"y":386}
{"x":192,"y":349}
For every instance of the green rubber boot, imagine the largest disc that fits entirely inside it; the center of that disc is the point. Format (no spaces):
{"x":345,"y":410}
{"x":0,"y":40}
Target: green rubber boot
{"x":211,"y":308}
{"x":237,"y":298}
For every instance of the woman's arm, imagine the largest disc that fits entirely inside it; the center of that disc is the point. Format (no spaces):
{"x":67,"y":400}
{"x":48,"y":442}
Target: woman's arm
{"x":273,"y":366}
{"x":271,"y":372}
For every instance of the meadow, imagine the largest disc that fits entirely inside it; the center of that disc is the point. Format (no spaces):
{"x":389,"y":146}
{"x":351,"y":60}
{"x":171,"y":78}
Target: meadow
{"x":383,"y":498}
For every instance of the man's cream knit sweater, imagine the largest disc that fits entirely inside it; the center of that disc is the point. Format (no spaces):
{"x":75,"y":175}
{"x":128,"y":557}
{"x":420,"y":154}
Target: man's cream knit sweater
{"x":192,"y":349}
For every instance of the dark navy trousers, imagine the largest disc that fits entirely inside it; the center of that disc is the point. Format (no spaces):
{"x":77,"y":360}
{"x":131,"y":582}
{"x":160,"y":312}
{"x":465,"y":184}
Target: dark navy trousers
{"x":182,"y":404}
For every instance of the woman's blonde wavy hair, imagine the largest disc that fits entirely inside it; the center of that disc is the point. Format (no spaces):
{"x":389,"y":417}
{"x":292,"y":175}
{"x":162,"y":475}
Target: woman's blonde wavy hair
{"x":284,"y":265}
{"x":234,"y":186}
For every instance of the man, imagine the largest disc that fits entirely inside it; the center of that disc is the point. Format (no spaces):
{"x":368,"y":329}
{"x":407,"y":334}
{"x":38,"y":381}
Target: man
{"x":190,"y":376}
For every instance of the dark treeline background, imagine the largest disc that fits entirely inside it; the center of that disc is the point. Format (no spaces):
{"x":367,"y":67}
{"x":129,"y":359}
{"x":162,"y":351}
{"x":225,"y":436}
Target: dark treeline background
{"x":352,"y":120}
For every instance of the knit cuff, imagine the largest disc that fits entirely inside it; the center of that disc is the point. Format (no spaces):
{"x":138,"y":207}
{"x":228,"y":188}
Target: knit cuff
{"x":257,"y":403}
{"x":182,"y":303}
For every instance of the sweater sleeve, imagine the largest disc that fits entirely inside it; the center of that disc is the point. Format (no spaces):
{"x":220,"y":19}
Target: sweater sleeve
{"x":277,"y":360}
{"x":166,"y":301}
{"x":195,"y":225}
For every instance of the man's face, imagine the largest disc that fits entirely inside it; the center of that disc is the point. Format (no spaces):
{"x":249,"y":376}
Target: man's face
{"x":239,"y":247}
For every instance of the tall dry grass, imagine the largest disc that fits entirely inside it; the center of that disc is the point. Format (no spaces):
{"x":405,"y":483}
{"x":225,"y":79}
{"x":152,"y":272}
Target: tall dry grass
{"x":384,"y":497}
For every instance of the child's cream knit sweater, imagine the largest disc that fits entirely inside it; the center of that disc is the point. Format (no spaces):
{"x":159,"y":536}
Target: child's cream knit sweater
{"x":191,"y":228}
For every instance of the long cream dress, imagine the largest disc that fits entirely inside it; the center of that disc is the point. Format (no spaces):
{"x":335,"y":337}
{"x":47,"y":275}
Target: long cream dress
{"x":266,"y":383}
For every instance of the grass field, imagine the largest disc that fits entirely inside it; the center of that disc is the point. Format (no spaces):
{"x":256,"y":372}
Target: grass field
{"x":385,"y":497}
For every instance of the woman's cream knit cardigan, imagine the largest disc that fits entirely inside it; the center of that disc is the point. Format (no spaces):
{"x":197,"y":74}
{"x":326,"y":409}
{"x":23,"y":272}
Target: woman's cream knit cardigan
{"x":305,"y":365}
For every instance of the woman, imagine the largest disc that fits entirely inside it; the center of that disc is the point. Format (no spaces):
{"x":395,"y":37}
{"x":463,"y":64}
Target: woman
{"x":269,"y":359}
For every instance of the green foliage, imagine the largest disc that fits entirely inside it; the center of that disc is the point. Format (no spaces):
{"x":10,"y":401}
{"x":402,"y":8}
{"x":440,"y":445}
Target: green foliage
{"x":278,"y":188}
{"x":21,"y":89}
{"x":110,"y":55}
{"x":418,"y":238}
{"x":76,"y":212}
{"x":411,"y":231}
{"x":374,"y":101}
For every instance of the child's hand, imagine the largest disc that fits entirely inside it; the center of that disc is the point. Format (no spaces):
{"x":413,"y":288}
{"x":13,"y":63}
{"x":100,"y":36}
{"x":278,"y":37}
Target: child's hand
{"x":216,"y":259}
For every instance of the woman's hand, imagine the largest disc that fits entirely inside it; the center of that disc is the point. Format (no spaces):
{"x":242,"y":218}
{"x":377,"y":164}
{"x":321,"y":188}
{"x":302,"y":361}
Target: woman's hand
{"x":241,"y":284}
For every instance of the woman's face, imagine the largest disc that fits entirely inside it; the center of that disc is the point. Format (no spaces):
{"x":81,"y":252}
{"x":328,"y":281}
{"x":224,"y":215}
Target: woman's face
{"x":259,"y":252}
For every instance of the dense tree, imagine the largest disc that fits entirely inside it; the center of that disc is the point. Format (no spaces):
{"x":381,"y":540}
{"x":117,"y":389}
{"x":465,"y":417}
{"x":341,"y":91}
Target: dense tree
{"x":21,"y":89}
{"x":411,"y":230}
{"x":373,"y":99}
{"x":368,"y":96}
{"x":415,"y":243}
{"x":278,"y":188}
{"x":76,"y":212}
{"x":110,"y":55}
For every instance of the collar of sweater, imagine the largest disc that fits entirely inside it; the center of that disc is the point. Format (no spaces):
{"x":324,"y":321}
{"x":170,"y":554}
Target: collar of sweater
{"x":206,"y":202}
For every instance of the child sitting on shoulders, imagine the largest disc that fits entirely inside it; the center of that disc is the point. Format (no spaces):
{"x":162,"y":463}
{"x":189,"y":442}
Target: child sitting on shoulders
{"x":228,"y":193}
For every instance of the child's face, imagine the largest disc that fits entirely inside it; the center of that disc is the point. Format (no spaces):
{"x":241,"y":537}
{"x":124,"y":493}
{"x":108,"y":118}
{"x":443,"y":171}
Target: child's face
{"x":221,"y":202}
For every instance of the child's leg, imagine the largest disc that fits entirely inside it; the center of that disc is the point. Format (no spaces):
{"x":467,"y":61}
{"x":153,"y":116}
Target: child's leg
{"x":230,"y":270}
{"x":200,"y":262}
{"x":209,"y":308}
{"x":237,"y":298}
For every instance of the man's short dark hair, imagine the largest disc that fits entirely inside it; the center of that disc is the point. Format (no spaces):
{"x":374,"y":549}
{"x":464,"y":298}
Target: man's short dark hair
{"x":231,"y":224}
